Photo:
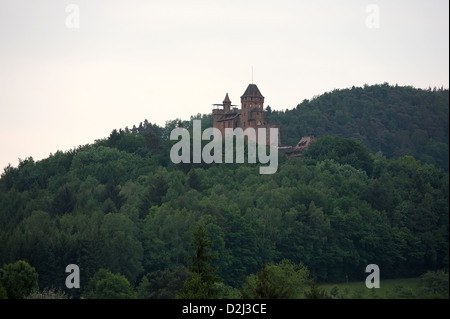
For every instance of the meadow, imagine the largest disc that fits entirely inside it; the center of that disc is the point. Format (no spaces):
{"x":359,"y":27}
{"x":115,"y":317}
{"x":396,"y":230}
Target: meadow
{"x":404,"y":288}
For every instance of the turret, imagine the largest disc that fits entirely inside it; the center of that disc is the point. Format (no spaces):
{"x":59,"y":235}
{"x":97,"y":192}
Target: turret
{"x":226,"y":103}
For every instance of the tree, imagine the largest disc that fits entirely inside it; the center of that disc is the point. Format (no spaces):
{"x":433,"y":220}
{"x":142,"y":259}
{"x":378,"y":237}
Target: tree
{"x":152,"y":141}
{"x":194,"y":180}
{"x":112,"y":191}
{"x":19,"y":279}
{"x":342,"y":150}
{"x":121,"y":204}
{"x":277,"y":281}
{"x":434,"y":284}
{"x":155,"y":192}
{"x":130,"y":143}
{"x":107,"y":285}
{"x":202,"y":283}
{"x":122,"y":252}
{"x":115,"y":137}
{"x":64,"y":201}
{"x":3,"y":293}
{"x":8,"y":177}
{"x":162,"y":284}
{"x":264,"y":286}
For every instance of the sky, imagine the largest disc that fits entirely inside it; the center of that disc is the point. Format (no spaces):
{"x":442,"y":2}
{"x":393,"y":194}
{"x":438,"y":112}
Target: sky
{"x":72,"y":71}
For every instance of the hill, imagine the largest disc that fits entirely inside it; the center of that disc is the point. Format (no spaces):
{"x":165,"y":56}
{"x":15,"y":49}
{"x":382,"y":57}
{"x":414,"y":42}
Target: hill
{"x":122,"y":211}
{"x":390,"y":120}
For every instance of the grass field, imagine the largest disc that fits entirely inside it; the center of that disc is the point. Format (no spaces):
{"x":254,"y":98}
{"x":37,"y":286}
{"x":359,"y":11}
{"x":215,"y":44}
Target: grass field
{"x":408,"y":288}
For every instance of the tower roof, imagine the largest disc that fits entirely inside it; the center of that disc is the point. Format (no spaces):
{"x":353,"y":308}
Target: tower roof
{"x":227,"y":99}
{"x":252,"y":91}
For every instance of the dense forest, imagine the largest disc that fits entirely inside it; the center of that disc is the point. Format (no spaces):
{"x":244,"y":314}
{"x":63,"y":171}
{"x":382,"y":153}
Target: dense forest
{"x":140,"y":226}
{"x":390,"y":120}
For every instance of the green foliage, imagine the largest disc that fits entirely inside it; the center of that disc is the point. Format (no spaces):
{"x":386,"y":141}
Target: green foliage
{"x":342,"y":151}
{"x":400,"y":292}
{"x":278,"y":281}
{"x":392,"y":120}
{"x":196,"y":288}
{"x":18,"y":279}
{"x":225,"y":291}
{"x":121,"y":204}
{"x":162,"y":284}
{"x":294,"y":276}
{"x":315,"y":292}
{"x":3,"y":292}
{"x":122,"y":252}
{"x":434,"y":284}
{"x":194,"y":180}
{"x":264,"y":286}
{"x":201,"y":284}
{"x":156,"y":191}
{"x":107,"y":285}
{"x":7,"y":178}
{"x":64,"y":201}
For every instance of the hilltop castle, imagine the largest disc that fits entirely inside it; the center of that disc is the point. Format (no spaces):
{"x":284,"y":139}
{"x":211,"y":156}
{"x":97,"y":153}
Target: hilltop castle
{"x":251,"y":113}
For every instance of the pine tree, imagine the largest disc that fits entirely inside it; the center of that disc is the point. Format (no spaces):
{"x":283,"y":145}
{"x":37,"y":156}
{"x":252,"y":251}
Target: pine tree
{"x":202,"y":283}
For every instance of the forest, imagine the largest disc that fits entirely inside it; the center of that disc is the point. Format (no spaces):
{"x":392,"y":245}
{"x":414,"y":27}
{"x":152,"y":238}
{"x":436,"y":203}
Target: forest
{"x":373,"y":189}
{"x":390,"y":120}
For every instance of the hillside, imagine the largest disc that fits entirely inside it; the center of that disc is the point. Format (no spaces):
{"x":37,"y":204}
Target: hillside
{"x":124,"y":213}
{"x":392,"y":120}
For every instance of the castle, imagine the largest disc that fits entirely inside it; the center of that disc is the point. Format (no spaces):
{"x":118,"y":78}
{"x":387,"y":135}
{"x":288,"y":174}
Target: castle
{"x":251,"y":113}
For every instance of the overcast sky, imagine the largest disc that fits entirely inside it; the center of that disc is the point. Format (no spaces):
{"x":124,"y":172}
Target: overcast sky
{"x":72,"y":71}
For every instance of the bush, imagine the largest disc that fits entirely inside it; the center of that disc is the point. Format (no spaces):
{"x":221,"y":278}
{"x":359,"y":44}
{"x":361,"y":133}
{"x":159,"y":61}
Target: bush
{"x":434,"y":284}
{"x":18,"y":279}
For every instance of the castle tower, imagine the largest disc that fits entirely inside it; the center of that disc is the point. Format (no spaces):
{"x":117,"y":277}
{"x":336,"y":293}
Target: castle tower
{"x":251,"y":114}
{"x":252,"y":107}
{"x":226,"y":103}
{"x":224,"y":116}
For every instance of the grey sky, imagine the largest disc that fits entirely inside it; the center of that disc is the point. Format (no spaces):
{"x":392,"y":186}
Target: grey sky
{"x":61,"y":87}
